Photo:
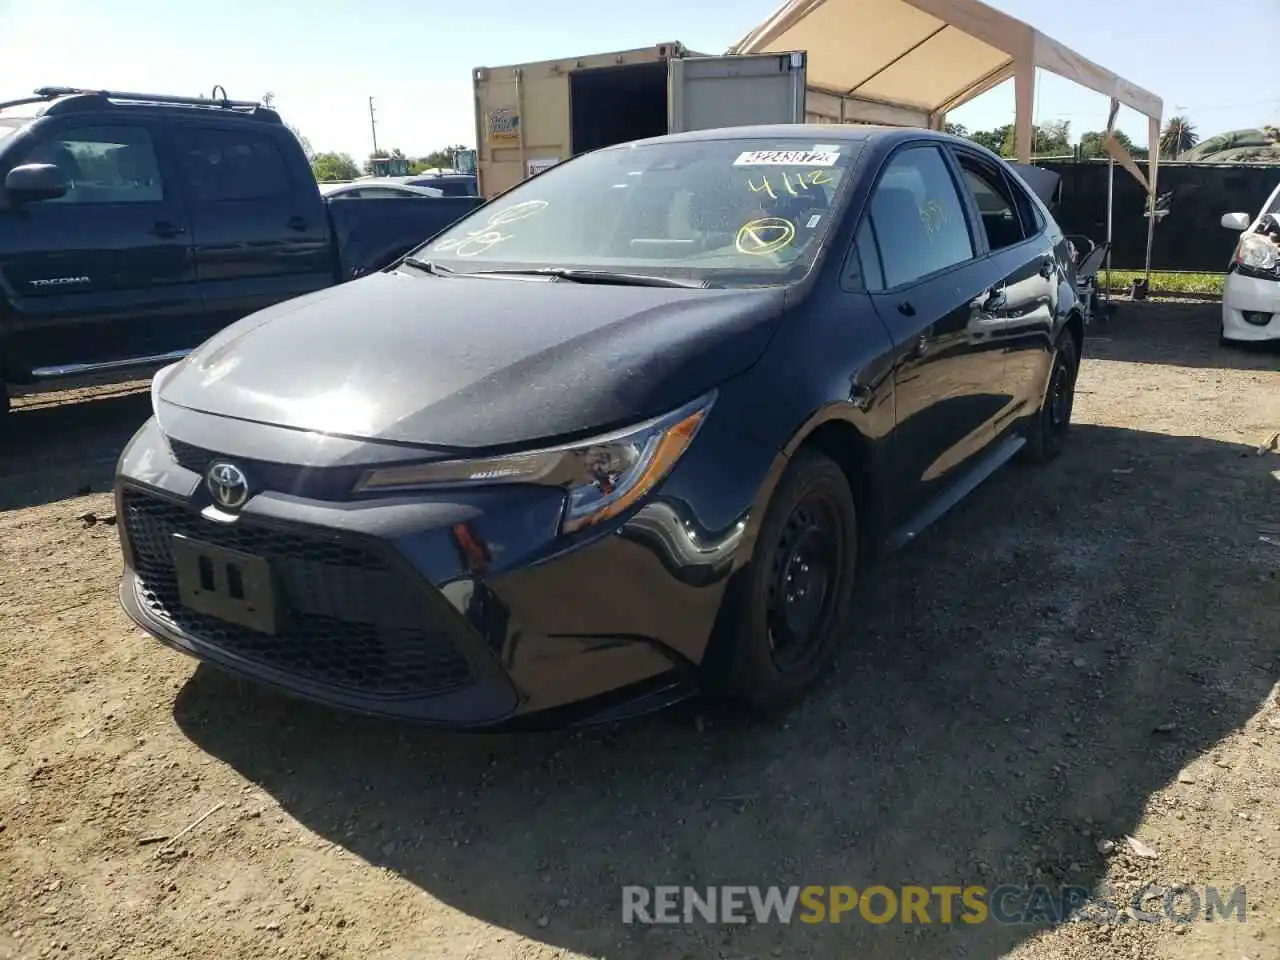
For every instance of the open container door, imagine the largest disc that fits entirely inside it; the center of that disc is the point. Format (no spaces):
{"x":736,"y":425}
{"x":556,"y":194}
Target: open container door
{"x":731,"y":91}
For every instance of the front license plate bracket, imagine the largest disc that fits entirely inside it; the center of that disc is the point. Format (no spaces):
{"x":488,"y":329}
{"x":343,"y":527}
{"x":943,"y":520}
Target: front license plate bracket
{"x":226,"y":584}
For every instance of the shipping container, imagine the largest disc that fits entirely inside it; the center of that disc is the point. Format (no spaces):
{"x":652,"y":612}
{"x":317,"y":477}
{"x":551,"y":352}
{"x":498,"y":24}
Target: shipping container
{"x":531,"y":116}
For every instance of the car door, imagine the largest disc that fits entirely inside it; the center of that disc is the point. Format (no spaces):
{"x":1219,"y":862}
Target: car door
{"x":1024,"y":274}
{"x":922,"y":272}
{"x":106,"y":272}
{"x":260,"y":231}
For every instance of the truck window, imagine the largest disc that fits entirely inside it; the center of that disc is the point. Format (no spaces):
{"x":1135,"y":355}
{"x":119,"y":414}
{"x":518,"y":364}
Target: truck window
{"x":102,"y":164}
{"x":229,"y":165}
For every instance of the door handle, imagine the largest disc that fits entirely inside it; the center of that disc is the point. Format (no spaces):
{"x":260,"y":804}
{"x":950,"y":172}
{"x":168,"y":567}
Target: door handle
{"x":297,"y":223}
{"x":906,"y":309}
{"x":167,"y":230}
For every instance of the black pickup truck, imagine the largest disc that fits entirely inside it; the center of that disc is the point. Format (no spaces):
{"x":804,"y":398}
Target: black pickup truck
{"x":134,"y":226}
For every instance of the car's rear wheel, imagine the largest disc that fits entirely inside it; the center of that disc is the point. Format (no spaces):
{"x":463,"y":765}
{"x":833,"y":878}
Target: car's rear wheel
{"x":785,"y":611}
{"x":1048,"y":433}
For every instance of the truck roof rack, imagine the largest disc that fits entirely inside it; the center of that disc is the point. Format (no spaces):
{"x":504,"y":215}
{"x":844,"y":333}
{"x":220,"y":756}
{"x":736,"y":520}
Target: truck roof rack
{"x":215,"y":102}
{"x":22,"y":102}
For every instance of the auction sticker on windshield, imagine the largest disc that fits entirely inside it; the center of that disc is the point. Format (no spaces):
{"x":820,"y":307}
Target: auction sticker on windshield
{"x":787,"y":158}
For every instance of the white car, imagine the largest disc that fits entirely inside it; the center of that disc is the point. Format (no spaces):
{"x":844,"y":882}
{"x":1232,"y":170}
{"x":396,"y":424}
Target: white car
{"x":1251,"y":293}
{"x":376,"y":187}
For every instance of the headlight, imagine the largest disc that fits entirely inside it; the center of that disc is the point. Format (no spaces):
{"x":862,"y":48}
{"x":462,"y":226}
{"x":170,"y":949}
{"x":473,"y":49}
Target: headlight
{"x":1256,"y":252}
{"x":602,"y":476}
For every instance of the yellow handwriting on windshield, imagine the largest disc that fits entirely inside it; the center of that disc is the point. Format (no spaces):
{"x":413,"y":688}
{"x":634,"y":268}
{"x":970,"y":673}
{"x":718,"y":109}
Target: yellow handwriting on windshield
{"x":766,"y":235}
{"x":790,"y":183}
{"x":477,"y":241}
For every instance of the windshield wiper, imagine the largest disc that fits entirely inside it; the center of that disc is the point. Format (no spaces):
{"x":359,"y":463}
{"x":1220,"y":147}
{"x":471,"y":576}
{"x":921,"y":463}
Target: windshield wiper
{"x":427,"y":265}
{"x":577,"y":275}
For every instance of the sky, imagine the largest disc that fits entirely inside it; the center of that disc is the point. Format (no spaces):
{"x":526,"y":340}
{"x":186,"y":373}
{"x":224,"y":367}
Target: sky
{"x":323,"y":59}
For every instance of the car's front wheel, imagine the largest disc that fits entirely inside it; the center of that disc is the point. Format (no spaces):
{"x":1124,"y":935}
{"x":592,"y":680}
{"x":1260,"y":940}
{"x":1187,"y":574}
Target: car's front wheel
{"x":785,"y":611}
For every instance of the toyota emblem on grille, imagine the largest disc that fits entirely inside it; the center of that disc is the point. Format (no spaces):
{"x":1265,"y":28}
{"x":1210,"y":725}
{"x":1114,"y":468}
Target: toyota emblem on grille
{"x":228,"y":485}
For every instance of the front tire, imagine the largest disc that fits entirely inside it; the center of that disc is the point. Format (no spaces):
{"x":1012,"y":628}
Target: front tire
{"x":1048,"y":434}
{"x":784,"y":613}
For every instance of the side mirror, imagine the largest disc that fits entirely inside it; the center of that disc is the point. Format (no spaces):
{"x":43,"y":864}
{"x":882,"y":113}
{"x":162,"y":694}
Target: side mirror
{"x":1236,"y":221}
{"x":35,"y":181}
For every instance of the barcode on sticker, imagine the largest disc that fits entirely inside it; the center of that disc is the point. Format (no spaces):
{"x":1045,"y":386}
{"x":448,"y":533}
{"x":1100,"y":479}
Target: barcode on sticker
{"x":787,"y":158}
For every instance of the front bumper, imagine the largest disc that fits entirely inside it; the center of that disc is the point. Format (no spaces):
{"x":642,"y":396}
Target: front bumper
{"x":1254,"y":296}
{"x":459,"y":609}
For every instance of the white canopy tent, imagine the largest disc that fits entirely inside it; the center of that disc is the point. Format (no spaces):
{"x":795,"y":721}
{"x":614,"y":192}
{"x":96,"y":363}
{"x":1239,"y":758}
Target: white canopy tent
{"x":911,"y":61}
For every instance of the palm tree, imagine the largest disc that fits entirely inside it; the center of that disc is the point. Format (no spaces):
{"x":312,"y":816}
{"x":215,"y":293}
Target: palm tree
{"x":1178,"y":137}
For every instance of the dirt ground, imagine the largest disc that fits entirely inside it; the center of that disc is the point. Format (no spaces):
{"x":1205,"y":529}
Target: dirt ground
{"x":1075,"y":655}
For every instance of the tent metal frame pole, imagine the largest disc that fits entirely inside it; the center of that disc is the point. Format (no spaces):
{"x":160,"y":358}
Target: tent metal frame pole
{"x":1111,"y":192}
{"x":1151,"y":224}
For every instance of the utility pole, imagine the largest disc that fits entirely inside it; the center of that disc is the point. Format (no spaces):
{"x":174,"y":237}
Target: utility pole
{"x":373,"y":126}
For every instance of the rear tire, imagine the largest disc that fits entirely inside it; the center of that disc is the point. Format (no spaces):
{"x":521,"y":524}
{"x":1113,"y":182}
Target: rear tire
{"x":1048,"y":434}
{"x":784,"y":613}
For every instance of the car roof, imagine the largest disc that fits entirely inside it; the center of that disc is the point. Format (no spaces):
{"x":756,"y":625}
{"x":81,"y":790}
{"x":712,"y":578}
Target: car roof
{"x":362,"y":184}
{"x":837,"y":132}
{"x":819,"y":132}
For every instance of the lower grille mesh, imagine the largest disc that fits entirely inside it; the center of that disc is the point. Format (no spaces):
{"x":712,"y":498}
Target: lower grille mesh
{"x":353,"y":621}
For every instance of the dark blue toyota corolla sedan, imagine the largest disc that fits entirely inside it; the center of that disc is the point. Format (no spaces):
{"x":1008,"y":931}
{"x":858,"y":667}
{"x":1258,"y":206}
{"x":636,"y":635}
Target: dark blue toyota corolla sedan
{"x":629,"y":431}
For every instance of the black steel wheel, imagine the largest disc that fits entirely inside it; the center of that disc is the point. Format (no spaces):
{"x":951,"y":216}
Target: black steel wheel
{"x":803,"y":577}
{"x":1048,"y":433}
{"x":785,"y":612}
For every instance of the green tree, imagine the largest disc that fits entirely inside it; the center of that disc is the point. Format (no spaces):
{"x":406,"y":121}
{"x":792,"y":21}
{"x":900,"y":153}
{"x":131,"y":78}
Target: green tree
{"x":993,"y":140}
{"x":1093,"y":144}
{"x":956,"y":129}
{"x":334,"y":166}
{"x":1179,"y":136}
{"x":1047,"y":139}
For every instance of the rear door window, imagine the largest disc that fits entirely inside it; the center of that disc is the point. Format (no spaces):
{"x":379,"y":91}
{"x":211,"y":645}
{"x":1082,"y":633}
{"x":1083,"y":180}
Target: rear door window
{"x":1001,"y":222}
{"x":917,"y":218}
{"x":224,"y":165}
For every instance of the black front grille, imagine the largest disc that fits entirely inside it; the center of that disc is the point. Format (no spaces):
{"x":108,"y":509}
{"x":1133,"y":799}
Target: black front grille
{"x":352,"y":621}
{"x":317,"y":483}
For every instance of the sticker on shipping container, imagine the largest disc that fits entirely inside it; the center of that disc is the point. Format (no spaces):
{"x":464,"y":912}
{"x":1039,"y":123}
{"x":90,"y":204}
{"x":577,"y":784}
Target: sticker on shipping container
{"x":787,"y":158}
{"x":503,"y":125}
{"x":536,"y":165}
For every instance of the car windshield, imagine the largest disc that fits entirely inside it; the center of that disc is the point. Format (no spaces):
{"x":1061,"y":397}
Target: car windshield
{"x":728,"y":212}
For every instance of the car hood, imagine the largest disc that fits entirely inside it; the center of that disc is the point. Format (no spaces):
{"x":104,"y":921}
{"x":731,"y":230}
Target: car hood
{"x":474,"y":362}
